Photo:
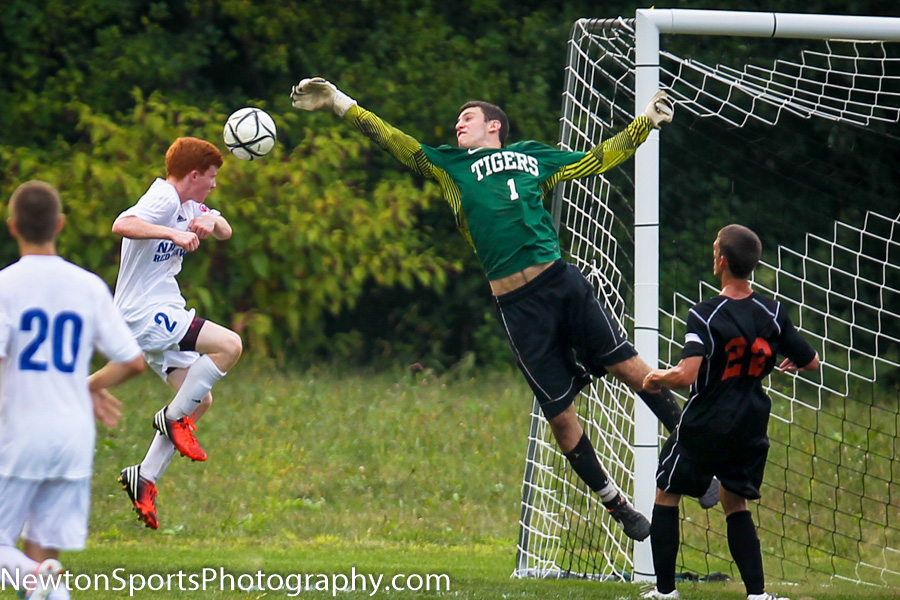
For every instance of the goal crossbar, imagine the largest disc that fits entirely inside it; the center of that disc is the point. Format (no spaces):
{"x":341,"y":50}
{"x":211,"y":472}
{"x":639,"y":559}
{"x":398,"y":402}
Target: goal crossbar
{"x":769,"y":24}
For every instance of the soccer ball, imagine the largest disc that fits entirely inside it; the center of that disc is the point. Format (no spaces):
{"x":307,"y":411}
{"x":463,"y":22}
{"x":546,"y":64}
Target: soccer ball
{"x":250,"y":133}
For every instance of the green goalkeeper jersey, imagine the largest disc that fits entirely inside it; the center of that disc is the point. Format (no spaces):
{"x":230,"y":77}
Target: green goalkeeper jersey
{"x":497,"y":194}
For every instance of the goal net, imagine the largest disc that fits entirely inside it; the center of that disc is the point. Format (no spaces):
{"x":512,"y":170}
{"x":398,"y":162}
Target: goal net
{"x":800,"y":143}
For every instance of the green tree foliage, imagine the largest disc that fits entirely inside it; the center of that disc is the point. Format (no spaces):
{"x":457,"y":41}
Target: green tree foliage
{"x":312,"y":226}
{"x":332,"y":237}
{"x":335,"y":245}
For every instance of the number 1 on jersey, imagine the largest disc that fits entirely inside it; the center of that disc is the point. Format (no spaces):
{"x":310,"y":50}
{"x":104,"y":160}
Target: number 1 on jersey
{"x":513,"y":194}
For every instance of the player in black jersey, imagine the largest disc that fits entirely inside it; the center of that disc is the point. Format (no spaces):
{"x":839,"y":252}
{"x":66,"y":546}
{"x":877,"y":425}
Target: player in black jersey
{"x":559,"y":332}
{"x":730,"y":346}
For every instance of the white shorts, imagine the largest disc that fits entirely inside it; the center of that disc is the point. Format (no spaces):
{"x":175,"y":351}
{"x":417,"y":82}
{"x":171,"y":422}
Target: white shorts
{"x":158,"y":334}
{"x":163,"y":362}
{"x":52,"y":513}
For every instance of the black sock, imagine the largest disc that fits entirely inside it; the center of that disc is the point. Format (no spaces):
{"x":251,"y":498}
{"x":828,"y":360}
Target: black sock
{"x":664,"y":406}
{"x":584,"y":462}
{"x":744,"y":545}
{"x":664,"y":540}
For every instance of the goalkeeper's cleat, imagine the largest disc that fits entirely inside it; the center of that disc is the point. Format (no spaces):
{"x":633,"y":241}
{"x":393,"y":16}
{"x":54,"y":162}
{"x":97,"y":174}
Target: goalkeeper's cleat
{"x":711,"y":497}
{"x":181,"y":433}
{"x":46,"y":580}
{"x":142,"y":493}
{"x":765,"y":596}
{"x":634,"y":524}
{"x":654,"y":594}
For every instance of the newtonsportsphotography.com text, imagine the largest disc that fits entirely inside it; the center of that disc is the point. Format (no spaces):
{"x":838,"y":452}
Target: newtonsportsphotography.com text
{"x":220,"y":579}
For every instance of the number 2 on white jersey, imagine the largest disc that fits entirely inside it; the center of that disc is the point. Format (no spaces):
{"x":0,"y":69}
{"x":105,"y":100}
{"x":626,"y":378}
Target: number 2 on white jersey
{"x":513,"y":194}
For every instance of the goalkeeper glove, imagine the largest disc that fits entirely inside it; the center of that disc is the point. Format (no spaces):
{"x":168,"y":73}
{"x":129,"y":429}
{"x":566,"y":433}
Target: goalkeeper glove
{"x":660,"y":110}
{"x":318,"y":94}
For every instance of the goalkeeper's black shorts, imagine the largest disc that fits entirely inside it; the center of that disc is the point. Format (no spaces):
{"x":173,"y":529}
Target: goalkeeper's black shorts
{"x":560,"y":335}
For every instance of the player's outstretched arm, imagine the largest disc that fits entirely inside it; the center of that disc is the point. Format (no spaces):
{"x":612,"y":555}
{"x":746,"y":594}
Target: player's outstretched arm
{"x":318,"y":94}
{"x":622,"y":146}
{"x":315,"y":93}
{"x":614,"y":151}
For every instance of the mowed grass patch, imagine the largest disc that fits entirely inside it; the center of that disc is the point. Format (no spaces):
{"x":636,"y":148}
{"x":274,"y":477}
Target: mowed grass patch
{"x":470,"y":572}
{"x":323,"y":471}
{"x":294,"y":455}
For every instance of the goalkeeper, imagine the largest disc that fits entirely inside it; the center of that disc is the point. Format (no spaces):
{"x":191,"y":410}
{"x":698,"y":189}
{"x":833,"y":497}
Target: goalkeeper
{"x":558,"y":331}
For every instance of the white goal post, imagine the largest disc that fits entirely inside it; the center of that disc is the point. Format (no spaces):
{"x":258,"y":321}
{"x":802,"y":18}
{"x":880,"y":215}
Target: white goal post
{"x":606,"y":82}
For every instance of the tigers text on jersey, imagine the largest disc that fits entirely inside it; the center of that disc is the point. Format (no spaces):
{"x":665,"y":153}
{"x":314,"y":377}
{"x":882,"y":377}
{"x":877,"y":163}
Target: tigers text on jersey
{"x":148,"y":267}
{"x":738,"y":340}
{"x":53,"y":314}
{"x":497,"y":194}
{"x":500,"y":194}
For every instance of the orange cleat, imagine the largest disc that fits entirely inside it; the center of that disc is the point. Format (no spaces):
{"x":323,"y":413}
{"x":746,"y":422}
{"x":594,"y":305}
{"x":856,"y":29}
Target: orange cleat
{"x":142,"y":493}
{"x":181,"y":432}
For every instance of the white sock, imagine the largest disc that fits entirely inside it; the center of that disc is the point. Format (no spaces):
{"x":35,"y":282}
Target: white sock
{"x":201,"y":377}
{"x":608,"y":494}
{"x":158,"y":457}
{"x":11,"y":558}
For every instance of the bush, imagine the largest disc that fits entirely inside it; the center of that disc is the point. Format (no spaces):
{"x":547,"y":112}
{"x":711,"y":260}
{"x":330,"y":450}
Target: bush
{"x":313,"y":227}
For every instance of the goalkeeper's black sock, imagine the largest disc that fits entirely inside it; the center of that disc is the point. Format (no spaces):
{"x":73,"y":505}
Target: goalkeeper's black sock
{"x":664,"y":540}
{"x":664,"y":406}
{"x":584,"y":462}
{"x":744,"y":545}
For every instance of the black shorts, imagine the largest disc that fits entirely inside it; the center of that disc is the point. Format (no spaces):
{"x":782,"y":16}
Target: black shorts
{"x":560,"y":335}
{"x":684,"y":473}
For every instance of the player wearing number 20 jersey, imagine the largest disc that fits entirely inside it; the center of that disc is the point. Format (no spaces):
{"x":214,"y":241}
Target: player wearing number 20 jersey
{"x":739,"y":340}
{"x":52,"y":316}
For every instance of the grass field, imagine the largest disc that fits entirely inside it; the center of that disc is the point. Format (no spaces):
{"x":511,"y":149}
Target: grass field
{"x":320,"y":475}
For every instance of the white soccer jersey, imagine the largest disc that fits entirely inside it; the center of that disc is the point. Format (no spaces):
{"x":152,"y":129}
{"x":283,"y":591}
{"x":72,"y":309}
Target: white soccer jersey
{"x":53,"y":314}
{"x":148,"y":267}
